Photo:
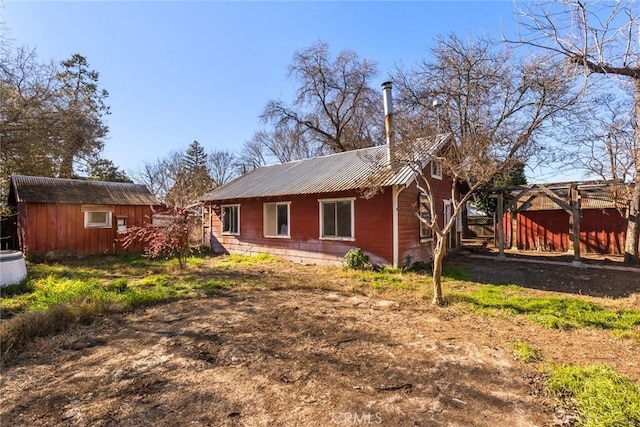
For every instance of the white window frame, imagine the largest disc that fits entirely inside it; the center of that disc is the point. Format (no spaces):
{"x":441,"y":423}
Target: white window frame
{"x":264,"y":220}
{"x":423,"y":236}
{"x":436,"y":169}
{"x":447,"y":211}
{"x":89,"y":224}
{"x":222,"y":213}
{"x":321,"y":203}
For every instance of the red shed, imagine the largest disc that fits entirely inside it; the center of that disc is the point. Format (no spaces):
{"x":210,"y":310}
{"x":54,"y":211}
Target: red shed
{"x":542,"y":216}
{"x":74,"y":217}
{"x":315,"y":210}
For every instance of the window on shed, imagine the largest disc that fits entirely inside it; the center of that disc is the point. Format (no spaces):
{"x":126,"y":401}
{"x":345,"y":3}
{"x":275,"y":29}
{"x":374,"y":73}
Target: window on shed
{"x":231,"y":219}
{"x":276,"y":219}
{"x":425,"y":217}
{"x":97,"y":219}
{"x":122,"y":224}
{"x":336,"y":219}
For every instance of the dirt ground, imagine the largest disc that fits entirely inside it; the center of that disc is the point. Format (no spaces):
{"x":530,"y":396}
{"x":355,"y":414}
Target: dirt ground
{"x":279,"y":356}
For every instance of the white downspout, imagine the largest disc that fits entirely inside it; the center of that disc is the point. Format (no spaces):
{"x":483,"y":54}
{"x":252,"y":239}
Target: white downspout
{"x":396,"y":190}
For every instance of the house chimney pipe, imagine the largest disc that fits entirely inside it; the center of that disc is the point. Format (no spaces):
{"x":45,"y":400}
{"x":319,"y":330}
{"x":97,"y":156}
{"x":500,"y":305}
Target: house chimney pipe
{"x":388,"y":121}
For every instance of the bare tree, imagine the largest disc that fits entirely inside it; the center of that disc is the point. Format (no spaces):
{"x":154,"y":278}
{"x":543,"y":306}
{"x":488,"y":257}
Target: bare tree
{"x":159,"y":176}
{"x":286,"y":143}
{"x":335,"y":107}
{"x":27,"y":91}
{"x":601,"y":38}
{"x":251,"y":156}
{"x":609,"y":143}
{"x":222,"y":166}
{"x":50,"y":116}
{"x":497,"y":109}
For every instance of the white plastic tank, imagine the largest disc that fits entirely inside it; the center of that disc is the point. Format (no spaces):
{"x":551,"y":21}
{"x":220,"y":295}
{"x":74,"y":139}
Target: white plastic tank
{"x":13,"y":269}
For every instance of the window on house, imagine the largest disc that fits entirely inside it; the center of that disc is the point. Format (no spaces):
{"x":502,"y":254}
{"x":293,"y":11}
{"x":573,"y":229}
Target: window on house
{"x":122,"y":224}
{"x":436,"y":169}
{"x":425,"y":214}
{"x":231,"y":219}
{"x":276,"y":219}
{"x":446,"y":211}
{"x":97,"y":219}
{"x":336,"y":219}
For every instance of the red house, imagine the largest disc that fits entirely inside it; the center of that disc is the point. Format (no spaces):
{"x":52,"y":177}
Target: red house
{"x":73,"y":217}
{"x":315,"y":210}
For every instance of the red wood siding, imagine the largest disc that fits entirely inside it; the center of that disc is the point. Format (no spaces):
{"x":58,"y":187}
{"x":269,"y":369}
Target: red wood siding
{"x":410,"y":248}
{"x":601,"y":231}
{"x":373,"y":229}
{"x":47,"y":228}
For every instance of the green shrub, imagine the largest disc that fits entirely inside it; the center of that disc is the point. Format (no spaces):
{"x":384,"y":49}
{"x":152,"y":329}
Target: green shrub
{"x":356,"y":259}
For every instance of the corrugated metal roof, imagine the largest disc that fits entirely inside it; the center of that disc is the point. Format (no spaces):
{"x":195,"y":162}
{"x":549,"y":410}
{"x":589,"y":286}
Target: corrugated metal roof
{"x":603,"y":196}
{"x":357,"y":169}
{"x":38,"y":189}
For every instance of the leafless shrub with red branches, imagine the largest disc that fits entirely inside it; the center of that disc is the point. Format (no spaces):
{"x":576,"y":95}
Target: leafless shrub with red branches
{"x":166,"y":235}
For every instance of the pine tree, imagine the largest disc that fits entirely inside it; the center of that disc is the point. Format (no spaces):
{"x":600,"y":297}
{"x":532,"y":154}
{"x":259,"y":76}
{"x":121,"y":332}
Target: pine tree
{"x":195,"y":157}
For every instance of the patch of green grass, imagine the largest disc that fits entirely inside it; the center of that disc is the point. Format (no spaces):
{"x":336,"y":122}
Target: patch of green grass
{"x":212,"y":286}
{"x":119,"y":285}
{"x":19,"y":288}
{"x":155,"y":280}
{"x":601,"y":396}
{"x":551,"y":312}
{"x":525,"y":353}
{"x":234,"y":260}
{"x":387,"y":278}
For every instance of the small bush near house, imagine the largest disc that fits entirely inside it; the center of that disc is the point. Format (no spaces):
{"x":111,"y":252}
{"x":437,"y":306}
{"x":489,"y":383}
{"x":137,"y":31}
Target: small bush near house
{"x":356,"y":259}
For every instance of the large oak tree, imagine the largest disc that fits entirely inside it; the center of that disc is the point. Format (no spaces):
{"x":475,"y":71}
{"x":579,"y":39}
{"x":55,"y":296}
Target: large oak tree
{"x":335,"y":107}
{"x":601,"y":38}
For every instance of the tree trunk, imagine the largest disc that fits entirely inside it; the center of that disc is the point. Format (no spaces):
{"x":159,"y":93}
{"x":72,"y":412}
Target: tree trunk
{"x":66,"y":167}
{"x":438,"y":256}
{"x":633,"y":224}
{"x":633,"y":227}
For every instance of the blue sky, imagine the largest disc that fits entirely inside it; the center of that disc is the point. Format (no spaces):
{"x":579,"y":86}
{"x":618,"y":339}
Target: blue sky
{"x":179,"y":71}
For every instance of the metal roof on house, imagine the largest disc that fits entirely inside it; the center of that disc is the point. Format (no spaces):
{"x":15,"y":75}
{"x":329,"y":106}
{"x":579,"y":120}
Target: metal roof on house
{"x":350,"y":170}
{"x":38,"y":189}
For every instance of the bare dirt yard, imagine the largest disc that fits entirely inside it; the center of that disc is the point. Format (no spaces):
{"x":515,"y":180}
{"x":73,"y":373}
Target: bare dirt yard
{"x":315,"y":355}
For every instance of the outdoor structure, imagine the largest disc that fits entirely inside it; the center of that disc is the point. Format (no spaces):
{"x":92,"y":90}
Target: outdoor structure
{"x":73,"y":217}
{"x":574,"y":217}
{"x":315,"y":210}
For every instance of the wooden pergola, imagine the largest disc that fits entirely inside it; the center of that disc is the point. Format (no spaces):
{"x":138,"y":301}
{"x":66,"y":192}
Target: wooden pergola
{"x":566,"y":195}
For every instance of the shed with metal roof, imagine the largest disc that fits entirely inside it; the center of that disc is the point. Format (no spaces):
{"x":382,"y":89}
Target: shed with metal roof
{"x":76,"y":217}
